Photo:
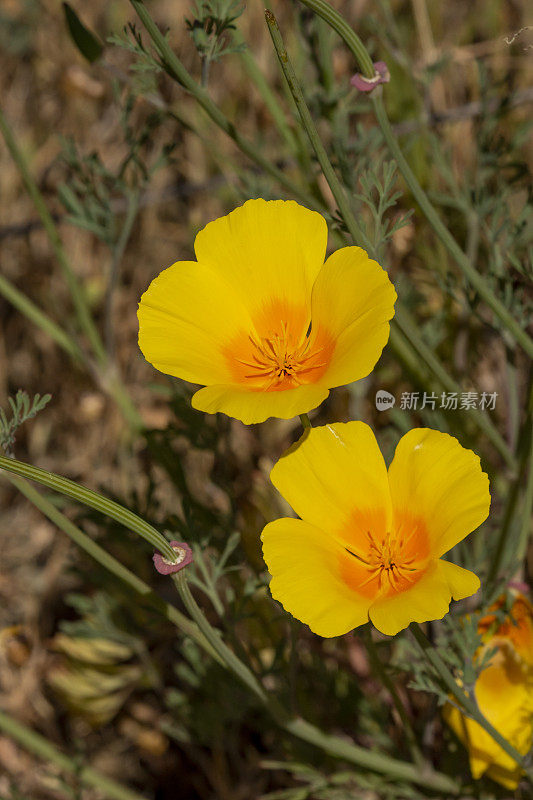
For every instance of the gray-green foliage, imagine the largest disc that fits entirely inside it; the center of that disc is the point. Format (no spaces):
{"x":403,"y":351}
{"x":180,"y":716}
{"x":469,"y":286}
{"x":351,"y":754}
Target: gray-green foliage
{"x":209,"y":27}
{"x":145,"y":67}
{"x":22,"y":409}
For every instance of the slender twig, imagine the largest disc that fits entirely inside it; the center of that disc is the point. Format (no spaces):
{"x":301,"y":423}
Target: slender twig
{"x":525,"y":440}
{"x":132,"y":208}
{"x":388,"y":683}
{"x":92,"y":499}
{"x":76,"y":290}
{"x":404,"y":321}
{"x":337,"y":190}
{"x":465,"y":701}
{"x":86,"y":776}
{"x":527,"y":515}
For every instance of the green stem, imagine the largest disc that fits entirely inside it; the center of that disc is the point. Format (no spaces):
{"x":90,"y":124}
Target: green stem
{"x":405,"y":323}
{"x":306,"y":422}
{"x":388,"y":683}
{"x":339,"y":24}
{"x":307,"y":121}
{"x":214,"y":638}
{"x":465,"y":701}
{"x":525,"y":442}
{"x":177,"y":71}
{"x":270,"y":100}
{"x":478,"y":281}
{"x":23,"y":304}
{"x":41,"y":747}
{"x":118,"y":252}
{"x":527,"y":515}
{"x":91,"y":499}
{"x":76,"y":290}
{"x":337,"y":747}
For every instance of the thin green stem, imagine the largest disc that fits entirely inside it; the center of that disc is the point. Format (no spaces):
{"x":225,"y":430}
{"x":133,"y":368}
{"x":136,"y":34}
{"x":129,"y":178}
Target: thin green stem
{"x":23,"y":304}
{"x":214,"y":638}
{"x":76,"y":290}
{"x":306,"y":422}
{"x":177,"y":71}
{"x":337,"y":747}
{"x":87,"y":776}
{"x":92,"y":499}
{"x":404,"y":321}
{"x":525,"y":442}
{"x":467,"y":702}
{"x":388,"y":683}
{"x":269,"y":99}
{"x":132,"y":209}
{"x":339,"y":24}
{"x":310,"y":128}
{"x":527,"y":515}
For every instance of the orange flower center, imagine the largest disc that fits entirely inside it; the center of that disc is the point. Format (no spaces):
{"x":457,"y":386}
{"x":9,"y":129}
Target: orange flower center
{"x":386,"y":563}
{"x":283,"y":352}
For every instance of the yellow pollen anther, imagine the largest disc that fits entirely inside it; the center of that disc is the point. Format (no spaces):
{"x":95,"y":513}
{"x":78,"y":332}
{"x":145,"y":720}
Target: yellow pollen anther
{"x":277,"y":357}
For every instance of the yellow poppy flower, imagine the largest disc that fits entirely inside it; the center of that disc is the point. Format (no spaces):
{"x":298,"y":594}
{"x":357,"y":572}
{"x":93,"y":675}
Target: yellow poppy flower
{"x":260,"y":320}
{"x":369,"y":542}
{"x":504,"y":693}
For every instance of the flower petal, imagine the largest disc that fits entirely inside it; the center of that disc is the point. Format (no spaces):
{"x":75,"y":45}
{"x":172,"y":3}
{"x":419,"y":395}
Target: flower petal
{"x":427,"y":599}
{"x":503,"y":693}
{"x":353,"y":299}
{"x":185,"y":317}
{"x":462,"y":582}
{"x":256,"y":406}
{"x":332,"y":473}
{"x":435,"y":478}
{"x":266,"y":250}
{"x":304,"y":564}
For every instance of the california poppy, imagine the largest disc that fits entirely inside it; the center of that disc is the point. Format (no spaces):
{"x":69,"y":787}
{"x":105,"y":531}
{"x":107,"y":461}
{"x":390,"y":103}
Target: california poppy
{"x":260,"y":320}
{"x":369,"y":542}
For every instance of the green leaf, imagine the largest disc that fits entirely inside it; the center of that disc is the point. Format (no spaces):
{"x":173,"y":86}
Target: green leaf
{"x":86,"y":42}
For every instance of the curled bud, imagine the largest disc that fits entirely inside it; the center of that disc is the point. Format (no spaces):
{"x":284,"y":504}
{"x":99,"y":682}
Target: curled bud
{"x":381,"y":75}
{"x":183,"y":558}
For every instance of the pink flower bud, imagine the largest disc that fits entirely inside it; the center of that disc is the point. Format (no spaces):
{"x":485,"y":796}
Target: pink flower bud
{"x":381,"y":75}
{"x":183,"y":558}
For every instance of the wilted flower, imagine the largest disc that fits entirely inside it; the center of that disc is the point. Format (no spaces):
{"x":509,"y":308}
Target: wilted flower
{"x":504,"y":694}
{"x":260,"y":320}
{"x":369,"y":543}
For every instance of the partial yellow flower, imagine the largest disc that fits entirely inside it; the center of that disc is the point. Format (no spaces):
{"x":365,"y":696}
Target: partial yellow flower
{"x":504,"y":693}
{"x":369,"y":542}
{"x":260,"y":320}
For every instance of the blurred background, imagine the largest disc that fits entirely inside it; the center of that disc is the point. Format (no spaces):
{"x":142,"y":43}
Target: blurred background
{"x":130,"y":169}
